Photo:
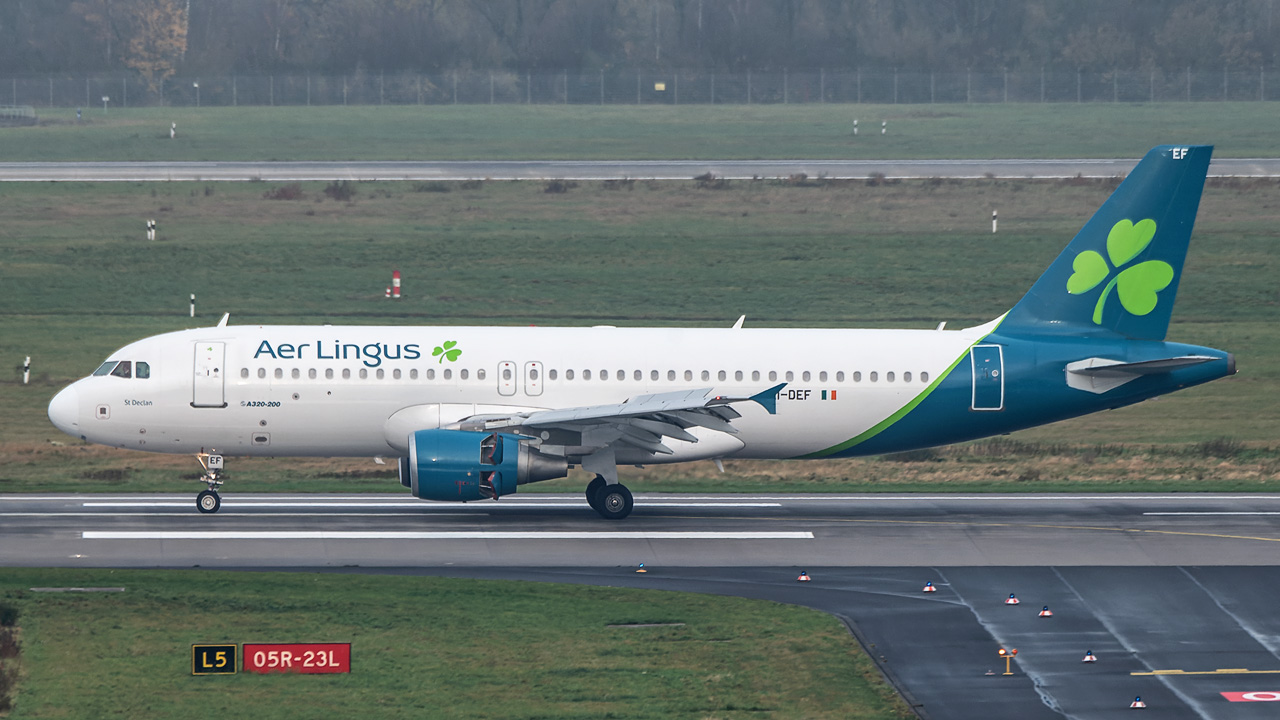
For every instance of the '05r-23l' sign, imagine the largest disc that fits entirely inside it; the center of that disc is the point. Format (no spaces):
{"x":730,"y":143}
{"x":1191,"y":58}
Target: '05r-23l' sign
{"x":306,"y":658}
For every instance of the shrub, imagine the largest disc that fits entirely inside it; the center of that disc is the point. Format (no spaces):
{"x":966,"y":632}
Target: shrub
{"x":8,"y":614}
{"x":340,"y":190}
{"x":292,"y":191}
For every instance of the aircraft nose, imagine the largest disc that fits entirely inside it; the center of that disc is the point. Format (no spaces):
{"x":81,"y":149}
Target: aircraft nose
{"x":64,"y":411}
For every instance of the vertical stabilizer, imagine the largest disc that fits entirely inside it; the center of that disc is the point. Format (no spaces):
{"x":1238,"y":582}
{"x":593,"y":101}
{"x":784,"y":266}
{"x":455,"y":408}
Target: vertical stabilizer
{"x":1120,"y":273}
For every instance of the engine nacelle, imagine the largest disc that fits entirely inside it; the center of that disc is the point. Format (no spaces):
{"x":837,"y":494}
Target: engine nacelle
{"x":463,"y":465}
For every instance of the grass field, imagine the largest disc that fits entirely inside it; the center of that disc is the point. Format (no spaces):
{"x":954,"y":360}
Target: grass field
{"x":79,"y":281}
{"x":428,"y":647}
{"x":519,"y":132}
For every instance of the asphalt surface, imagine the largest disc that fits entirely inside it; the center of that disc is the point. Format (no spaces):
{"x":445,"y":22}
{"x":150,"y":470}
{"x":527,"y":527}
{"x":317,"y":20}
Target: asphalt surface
{"x":1179,"y":589}
{"x":597,"y":169}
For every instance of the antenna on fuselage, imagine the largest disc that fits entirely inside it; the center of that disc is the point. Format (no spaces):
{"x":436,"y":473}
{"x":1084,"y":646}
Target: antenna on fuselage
{"x":225,"y":318}
{"x":738,"y":325}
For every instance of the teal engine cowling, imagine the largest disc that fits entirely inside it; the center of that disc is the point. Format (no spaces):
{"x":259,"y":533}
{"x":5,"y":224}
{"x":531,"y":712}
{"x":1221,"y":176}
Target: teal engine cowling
{"x":463,"y":465}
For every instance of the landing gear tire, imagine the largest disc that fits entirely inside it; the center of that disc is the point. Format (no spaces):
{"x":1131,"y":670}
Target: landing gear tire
{"x":593,"y":489}
{"x":208,"y":502}
{"x":614,"y":502}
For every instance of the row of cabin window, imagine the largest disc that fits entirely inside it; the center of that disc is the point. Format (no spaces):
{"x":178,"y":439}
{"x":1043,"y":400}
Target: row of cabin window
{"x":637,"y":375}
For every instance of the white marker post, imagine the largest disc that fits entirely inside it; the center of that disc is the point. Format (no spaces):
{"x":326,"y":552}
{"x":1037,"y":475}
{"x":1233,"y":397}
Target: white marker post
{"x":395,"y":285}
{"x":173,"y":130}
{"x":26,"y":370}
{"x":993,"y":222}
{"x":855,"y":126}
{"x":193,"y":304}
{"x":884,"y":126}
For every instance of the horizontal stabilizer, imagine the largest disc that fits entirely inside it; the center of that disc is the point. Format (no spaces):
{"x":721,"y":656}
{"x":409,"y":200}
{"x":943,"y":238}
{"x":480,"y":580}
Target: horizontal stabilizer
{"x":1098,"y":375}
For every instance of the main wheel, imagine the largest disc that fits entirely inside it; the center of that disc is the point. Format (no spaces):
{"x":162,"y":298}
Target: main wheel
{"x":593,"y":489}
{"x":208,"y":502}
{"x":614,"y":502}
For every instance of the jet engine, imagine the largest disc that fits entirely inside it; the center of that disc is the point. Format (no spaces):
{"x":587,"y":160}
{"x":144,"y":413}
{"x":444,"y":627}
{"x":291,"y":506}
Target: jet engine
{"x":464,"y":465}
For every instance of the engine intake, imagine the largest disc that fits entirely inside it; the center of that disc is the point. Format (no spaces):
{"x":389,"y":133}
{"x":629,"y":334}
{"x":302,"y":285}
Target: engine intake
{"x":462,"y":465}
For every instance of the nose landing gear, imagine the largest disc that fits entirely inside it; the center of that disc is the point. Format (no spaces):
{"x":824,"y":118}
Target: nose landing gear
{"x":208,"y":501}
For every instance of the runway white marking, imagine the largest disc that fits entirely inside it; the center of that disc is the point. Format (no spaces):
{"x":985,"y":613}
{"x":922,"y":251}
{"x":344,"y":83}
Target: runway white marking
{"x":429,"y":535}
{"x":422,"y":505}
{"x":1213,"y":513}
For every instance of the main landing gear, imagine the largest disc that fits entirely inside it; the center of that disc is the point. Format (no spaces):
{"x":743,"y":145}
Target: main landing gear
{"x":208,"y":501}
{"x":613,"y":502}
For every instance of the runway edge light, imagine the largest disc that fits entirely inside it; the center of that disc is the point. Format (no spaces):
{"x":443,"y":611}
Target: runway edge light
{"x":641,"y":569}
{"x":1046,"y":612}
{"x":804,"y":577}
{"x":928,"y":587}
{"x":1137,"y":703}
{"x":1012,"y":600}
{"x":1089,"y":657}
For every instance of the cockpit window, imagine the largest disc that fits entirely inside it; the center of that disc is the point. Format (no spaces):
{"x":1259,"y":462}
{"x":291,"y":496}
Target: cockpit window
{"x":105,"y":368}
{"x":142,"y":370}
{"x":124,"y":369}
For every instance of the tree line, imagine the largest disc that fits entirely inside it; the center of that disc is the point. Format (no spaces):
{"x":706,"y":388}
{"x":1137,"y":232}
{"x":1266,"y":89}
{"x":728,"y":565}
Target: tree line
{"x":157,"y":38}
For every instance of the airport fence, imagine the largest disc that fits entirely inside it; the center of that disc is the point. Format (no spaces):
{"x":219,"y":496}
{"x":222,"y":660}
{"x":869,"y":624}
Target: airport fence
{"x":621,"y":87}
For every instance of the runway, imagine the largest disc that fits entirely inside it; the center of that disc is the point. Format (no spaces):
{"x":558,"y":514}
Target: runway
{"x":597,"y":170}
{"x":1174,"y":594}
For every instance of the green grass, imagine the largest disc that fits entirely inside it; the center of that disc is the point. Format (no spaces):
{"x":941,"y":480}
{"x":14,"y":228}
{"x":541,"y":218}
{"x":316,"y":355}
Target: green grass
{"x":428,"y":647}
{"x":79,"y":281}
{"x":516,"y":132}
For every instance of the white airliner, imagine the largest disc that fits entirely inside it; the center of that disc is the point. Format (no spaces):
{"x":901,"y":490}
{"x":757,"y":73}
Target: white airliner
{"x":473,"y":412}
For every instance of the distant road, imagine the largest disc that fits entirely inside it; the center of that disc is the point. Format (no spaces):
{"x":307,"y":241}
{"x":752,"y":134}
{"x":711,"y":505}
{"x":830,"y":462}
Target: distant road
{"x":596,"y":169}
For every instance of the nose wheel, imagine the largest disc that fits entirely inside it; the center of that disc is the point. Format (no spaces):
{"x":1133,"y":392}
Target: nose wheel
{"x":208,"y":501}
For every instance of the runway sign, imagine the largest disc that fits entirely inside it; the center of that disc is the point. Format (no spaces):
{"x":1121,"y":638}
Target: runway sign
{"x":213,"y":659}
{"x":1256,"y":696}
{"x":305,"y":658}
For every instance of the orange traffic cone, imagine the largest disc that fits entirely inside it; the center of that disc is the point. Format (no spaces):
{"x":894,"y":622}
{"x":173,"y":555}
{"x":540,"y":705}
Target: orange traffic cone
{"x":1137,"y":703}
{"x":641,"y":569}
{"x":1046,"y":612}
{"x":928,"y":587}
{"x":804,"y":577}
{"x":1089,"y":657}
{"x":1012,"y":600}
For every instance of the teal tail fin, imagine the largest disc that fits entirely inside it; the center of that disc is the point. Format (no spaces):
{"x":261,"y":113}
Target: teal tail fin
{"x":1120,"y":273}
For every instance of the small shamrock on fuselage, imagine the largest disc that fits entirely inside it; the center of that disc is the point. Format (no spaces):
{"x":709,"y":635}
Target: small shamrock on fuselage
{"x":1137,"y":285}
{"x":448,"y":351}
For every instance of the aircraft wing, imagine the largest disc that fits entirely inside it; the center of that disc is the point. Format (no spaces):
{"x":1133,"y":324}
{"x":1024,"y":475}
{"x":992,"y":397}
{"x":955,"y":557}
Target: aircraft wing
{"x":641,"y":421}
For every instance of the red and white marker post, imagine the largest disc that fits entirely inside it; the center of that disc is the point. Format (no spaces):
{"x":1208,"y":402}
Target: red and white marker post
{"x":395,"y":285}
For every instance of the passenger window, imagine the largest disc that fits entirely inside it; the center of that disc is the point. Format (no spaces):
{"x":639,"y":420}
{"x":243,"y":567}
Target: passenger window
{"x":924,"y":377}
{"x":653,"y":374}
{"x":448,"y":374}
{"x":479,"y":374}
{"x":364,"y":374}
{"x":279,"y":374}
{"x":857,"y":376}
{"x":671,"y":374}
{"x":906,"y":377}
{"x":636,"y":375}
{"x":311,"y":374}
{"x":586,"y":374}
{"x":506,"y":373}
{"x":124,"y":369}
{"x":568,"y":374}
{"x":346,"y":373}
{"x":737,"y":375}
{"x":805,"y":376}
{"x":604,"y":374}
{"x":755,"y":375}
{"x":722,"y":375}
{"x":822,"y":376}
{"x":840,"y":376}
{"x":381,"y":374}
{"x":533,"y":374}
{"x":244,"y":372}
{"x":773,"y":375}
{"x":142,"y":371}
{"x":706,"y":375}
{"x":431,"y":373}
{"x":328,"y":373}
{"x":413,"y":374}
{"x":296,"y":373}
{"x":395,"y":374}
{"x":874,"y":376}
{"x":105,"y":368}
{"x":790,"y":376}
{"x":888,"y":377}
{"x":688,"y":374}
{"x":463,"y":374}
{"x":551,"y":374}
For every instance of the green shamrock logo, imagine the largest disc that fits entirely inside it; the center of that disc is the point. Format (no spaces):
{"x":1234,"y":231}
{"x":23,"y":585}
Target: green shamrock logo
{"x":1137,"y":285}
{"x":447,"y":351}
